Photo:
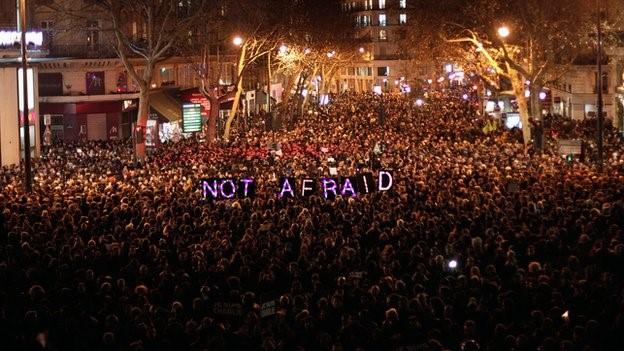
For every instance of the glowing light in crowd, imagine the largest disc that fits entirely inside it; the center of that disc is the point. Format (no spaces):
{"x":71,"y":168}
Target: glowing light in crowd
{"x":542,"y":95}
{"x":474,"y":87}
{"x":488,"y":92}
{"x":419,"y":102}
{"x":566,"y":315}
{"x":362,"y":50}
{"x":441,"y":79}
{"x":283,"y":49}
{"x":503,"y":32}
{"x":429,"y":81}
{"x":452,"y":264}
{"x":527,"y":93}
{"x":9,"y":38}
{"x":238,"y":41}
{"x":465,"y":96}
{"x":307,"y":51}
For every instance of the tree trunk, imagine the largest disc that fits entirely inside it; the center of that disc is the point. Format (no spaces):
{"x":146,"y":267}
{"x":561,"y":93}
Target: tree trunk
{"x":143,"y":115}
{"x":536,"y":113}
{"x":289,"y":86}
{"x":518,"y":87}
{"x":239,"y":90}
{"x":212,"y":118}
{"x":536,"y":108}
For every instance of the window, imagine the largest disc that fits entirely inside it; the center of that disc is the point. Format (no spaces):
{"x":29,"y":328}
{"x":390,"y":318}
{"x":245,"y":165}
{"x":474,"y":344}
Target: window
{"x":403,"y":18}
{"x":46,"y":28}
{"x":166,"y":76}
{"x":368,"y":4}
{"x":383,"y":35}
{"x":382,"y":20}
{"x":93,"y":33}
{"x":383,"y":71}
{"x":366,"y":21}
{"x":382,"y":4}
{"x":364,"y":71}
{"x":402,"y":4}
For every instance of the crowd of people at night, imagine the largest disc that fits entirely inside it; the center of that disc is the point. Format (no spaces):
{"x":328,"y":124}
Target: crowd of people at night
{"x":480,"y":245}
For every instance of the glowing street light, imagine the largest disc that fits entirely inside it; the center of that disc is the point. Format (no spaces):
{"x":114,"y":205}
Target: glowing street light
{"x":362,"y":50}
{"x":283,"y":49}
{"x":503,"y":32}
{"x":238,"y":41}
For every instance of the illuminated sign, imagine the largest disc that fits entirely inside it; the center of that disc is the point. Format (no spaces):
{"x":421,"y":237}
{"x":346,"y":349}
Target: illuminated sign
{"x":197,"y":98}
{"x":10,"y":38}
{"x":191,"y":118}
{"x":329,"y":188}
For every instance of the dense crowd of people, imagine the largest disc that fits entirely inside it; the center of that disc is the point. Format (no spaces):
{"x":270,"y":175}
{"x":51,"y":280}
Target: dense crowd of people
{"x":480,"y":245}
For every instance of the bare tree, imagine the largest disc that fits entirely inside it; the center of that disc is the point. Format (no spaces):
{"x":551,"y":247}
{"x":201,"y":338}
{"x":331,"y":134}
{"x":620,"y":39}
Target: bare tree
{"x":164,"y":24}
{"x":143,"y":33}
{"x":251,"y":50}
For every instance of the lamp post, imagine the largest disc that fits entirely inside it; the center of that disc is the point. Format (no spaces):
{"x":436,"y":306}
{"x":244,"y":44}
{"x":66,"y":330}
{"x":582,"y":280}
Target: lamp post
{"x":25,"y":109}
{"x":600,"y":120}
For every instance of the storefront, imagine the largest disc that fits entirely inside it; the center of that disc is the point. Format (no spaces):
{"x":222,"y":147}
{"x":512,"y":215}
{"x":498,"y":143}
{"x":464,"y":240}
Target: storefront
{"x":83,"y":120}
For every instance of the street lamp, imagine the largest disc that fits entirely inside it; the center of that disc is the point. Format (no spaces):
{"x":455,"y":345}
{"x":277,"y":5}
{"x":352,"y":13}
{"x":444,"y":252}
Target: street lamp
{"x":362,"y":50}
{"x":238,"y":41}
{"x":503,"y":32}
{"x":25,"y":110}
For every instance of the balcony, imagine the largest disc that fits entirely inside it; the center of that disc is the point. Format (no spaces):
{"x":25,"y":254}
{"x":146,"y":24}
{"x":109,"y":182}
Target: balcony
{"x":82,"y":51}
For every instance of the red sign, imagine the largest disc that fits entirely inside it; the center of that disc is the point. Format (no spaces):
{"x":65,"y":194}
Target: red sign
{"x":195,"y":97}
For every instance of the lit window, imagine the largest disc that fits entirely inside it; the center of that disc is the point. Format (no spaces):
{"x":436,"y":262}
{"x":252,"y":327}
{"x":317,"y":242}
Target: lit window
{"x":403,"y":18}
{"x":403,"y":4}
{"x":93,"y":33}
{"x":383,"y":35}
{"x":383,"y":71}
{"x":382,"y":20}
{"x":382,"y":4}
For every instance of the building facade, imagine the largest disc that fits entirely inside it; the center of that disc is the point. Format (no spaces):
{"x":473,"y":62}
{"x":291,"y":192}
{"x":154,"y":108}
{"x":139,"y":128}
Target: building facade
{"x":381,"y":26}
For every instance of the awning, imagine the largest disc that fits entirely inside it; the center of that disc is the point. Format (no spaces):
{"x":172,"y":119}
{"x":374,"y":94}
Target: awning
{"x":165,"y":105}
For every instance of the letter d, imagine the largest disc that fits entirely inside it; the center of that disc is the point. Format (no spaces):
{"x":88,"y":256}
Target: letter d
{"x":385,"y":181}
